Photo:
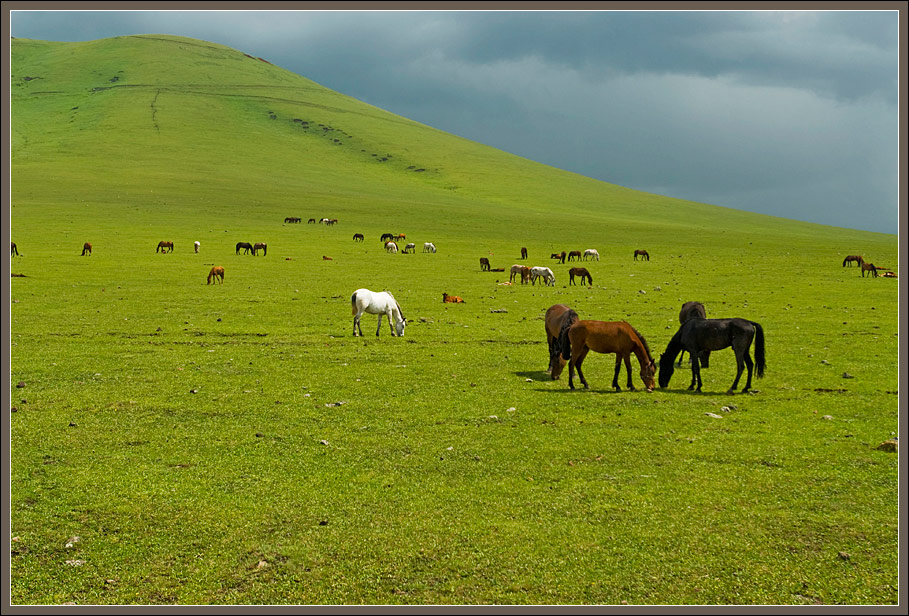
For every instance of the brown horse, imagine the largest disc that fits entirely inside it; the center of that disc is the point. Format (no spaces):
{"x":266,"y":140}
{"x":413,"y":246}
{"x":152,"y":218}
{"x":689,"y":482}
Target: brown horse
{"x":641,"y":253}
{"x":400,"y":236}
{"x":484,"y":264}
{"x":164,"y":246}
{"x":216,"y":273}
{"x":358,"y":237}
{"x":246,"y":246}
{"x":574,"y":255}
{"x":558,"y":256}
{"x":13,"y":250}
{"x":451,"y":299}
{"x":523,"y":253}
{"x":694,"y":310}
{"x":580,"y":272}
{"x":311,"y":221}
{"x":607,"y":337}
{"x":292,"y":219}
{"x":559,"y":318}
{"x":262,"y":247}
{"x":86,"y":249}
{"x":869,"y":267}
{"x":857,"y":259}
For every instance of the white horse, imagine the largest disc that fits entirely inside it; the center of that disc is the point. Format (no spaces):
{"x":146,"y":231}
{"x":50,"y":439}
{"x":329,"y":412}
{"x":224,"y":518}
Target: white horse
{"x":364,"y":300}
{"x":429,"y":247}
{"x":545,"y":273}
{"x":196,"y":246}
{"x":391,"y":247}
{"x":592,"y":253}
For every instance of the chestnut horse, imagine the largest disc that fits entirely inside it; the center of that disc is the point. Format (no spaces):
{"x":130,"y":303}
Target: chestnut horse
{"x":607,"y":337}
{"x":853,"y":258}
{"x":86,"y":249}
{"x":216,"y":273}
{"x":559,"y":318}
{"x":523,"y":253}
{"x":451,"y":299}
{"x":165,"y":246}
{"x":641,"y":253}
{"x":558,"y":256}
{"x":869,"y":267}
{"x":576,"y":254}
{"x":260,"y":246}
{"x":582,"y":273}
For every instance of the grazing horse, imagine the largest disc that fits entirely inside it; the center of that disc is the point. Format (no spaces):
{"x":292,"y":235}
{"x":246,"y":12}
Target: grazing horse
{"x":364,"y":300}
{"x":196,"y":246}
{"x":696,"y":335}
{"x":387,"y":237}
{"x":246,"y":246}
{"x":311,"y":221}
{"x":331,"y":221}
{"x":484,"y":264}
{"x":13,"y":250}
{"x":558,"y":256}
{"x":574,"y":254}
{"x":857,"y":259}
{"x":358,"y":237}
{"x":591,"y":253}
{"x":391,"y":247}
{"x":164,"y":246}
{"x":542,"y":272}
{"x":580,"y":272}
{"x":523,"y":253}
{"x":400,"y":236}
{"x":559,"y":318}
{"x":694,"y":310}
{"x":216,"y":273}
{"x":641,"y":253}
{"x":451,"y":299}
{"x":410,"y":248}
{"x":86,"y":249}
{"x":292,"y":219}
{"x":260,"y":246}
{"x":516,"y":270}
{"x":869,"y":267}
{"x":429,"y":247}
{"x":607,"y":337}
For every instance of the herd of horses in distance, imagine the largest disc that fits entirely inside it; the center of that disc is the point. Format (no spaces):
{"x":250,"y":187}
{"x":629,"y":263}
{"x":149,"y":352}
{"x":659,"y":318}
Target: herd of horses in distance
{"x":569,"y":337}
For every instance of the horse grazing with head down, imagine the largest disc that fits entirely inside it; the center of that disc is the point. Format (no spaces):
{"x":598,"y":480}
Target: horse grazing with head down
{"x":358,"y":237}
{"x":542,"y":272}
{"x":857,"y":259}
{"x":591,"y":253}
{"x":697,"y":335}
{"x":484,"y":264}
{"x":410,"y":248}
{"x":260,"y":246}
{"x":196,"y":246}
{"x":641,"y":253}
{"x":216,"y":273}
{"x":582,"y":273}
{"x":165,"y":246}
{"x":559,"y":318}
{"x":245,"y":246}
{"x":391,"y":247}
{"x":87,"y":249}
{"x":429,"y":247}
{"x":869,"y":267}
{"x":574,"y":255}
{"x":693,"y":310}
{"x":383,"y":303}
{"x":607,"y":337}
{"x":13,"y":250}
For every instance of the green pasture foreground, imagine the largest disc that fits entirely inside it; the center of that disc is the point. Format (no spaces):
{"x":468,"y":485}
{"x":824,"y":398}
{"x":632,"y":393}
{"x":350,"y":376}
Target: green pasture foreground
{"x":174,"y":442}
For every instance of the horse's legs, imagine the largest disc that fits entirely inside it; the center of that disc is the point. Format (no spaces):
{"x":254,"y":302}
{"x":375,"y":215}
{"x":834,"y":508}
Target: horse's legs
{"x":356,"y":323}
{"x":681,"y":355}
{"x":580,"y":360}
{"x":628,"y":370}
{"x":380,"y":326}
{"x":695,"y":371}
{"x":618,"y":369}
{"x":750,"y":365}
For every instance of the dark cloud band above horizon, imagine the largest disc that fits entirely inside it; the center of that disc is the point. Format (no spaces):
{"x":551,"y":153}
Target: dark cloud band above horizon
{"x":787,"y":113}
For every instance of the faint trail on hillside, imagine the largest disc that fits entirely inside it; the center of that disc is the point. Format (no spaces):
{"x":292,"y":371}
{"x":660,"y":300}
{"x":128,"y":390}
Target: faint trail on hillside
{"x":155,"y":112}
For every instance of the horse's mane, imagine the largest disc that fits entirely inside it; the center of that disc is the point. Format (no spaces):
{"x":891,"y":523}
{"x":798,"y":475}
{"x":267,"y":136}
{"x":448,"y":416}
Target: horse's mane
{"x":563,"y":343}
{"x":643,"y":341}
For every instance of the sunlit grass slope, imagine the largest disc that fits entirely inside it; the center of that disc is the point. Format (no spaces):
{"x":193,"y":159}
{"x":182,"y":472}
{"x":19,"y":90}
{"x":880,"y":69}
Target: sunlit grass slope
{"x":174,"y":442}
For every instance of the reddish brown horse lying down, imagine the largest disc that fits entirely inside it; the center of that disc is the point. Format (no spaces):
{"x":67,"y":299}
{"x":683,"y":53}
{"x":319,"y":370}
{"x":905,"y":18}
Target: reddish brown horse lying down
{"x":607,"y":337}
{"x":559,"y":318}
{"x":216,"y":273}
{"x":451,"y":299}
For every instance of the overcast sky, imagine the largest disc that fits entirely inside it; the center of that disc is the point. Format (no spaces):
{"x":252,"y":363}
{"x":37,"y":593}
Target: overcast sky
{"x":790,"y":113}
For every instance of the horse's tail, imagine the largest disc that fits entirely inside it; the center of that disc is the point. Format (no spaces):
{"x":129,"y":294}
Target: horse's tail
{"x":760,"y":361}
{"x":563,"y":341}
{"x":353,"y":303}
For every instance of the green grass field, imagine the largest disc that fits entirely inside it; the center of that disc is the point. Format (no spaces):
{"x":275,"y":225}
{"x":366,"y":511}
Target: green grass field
{"x":235,"y":444}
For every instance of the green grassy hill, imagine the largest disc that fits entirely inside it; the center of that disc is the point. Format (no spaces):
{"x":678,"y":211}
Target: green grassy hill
{"x":175,"y":442}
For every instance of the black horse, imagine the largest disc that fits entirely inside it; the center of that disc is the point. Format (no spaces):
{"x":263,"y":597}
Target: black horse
{"x":246,"y":246}
{"x":694,"y":310}
{"x":697,"y":335}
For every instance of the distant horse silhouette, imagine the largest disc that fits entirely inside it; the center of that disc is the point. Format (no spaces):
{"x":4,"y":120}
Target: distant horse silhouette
{"x":399,"y":237}
{"x":86,"y":249}
{"x":13,"y":250}
{"x":429,"y":247}
{"x":196,"y":246}
{"x":558,"y":256}
{"x":391,"y":247}
{"x":410,"y":248}
{"x":358,"y":237}
{"x":869,"y":267}
{"x":523,"y":253}
{"x":245,"y":246}
{"x":574,"y":255}
{"x":696,"y":335}
{"x":311,"y":221}
{"x":484,"y":264}
{"x":592,"y":253}
{"x":164,"y":246}
{"x":217,"y":274}
{"x":293,"y":219}
{"x":451,"y":299}
{"x":641,"y":253}
{"x":260,"y":246}
{"x":559,"y":318}
{"x":857,"y":259}
{"x":607,"y":337}
{"x":582,"y":273}
{"x":383,"y":303}
{"x":387,"y":237}
{"x":694,"y":310}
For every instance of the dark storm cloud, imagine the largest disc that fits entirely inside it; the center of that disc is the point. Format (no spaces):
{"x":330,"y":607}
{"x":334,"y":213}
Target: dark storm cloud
{"x":786,"y":113}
